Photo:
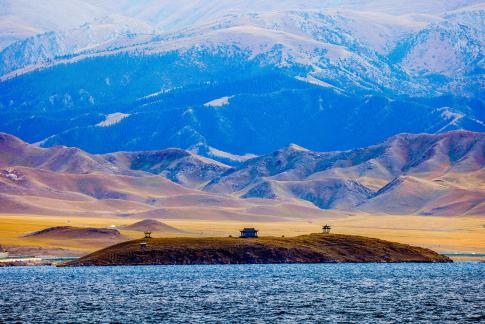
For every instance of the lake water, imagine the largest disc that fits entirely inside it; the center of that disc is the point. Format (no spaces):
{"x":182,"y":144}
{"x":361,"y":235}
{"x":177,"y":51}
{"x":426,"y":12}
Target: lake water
{"x":234,"y":293}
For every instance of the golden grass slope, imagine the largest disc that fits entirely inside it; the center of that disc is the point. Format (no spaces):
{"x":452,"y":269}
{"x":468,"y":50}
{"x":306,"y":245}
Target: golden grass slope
{"x":442,"y":234}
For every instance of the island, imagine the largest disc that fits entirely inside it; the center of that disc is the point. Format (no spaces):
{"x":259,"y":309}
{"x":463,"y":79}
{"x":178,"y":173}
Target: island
{"x":312,"y":248}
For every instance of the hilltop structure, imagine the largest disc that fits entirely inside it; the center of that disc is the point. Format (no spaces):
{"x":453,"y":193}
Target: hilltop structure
{"x":249,"y":232}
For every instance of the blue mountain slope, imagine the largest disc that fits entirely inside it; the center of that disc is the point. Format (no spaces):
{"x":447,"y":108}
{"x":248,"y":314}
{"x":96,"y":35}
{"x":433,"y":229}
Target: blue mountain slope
{"x":243,"y":78}
{"x":168,"y":101}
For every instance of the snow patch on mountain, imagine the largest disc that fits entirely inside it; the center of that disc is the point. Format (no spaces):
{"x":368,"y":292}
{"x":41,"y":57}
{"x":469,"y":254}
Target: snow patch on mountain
{"x":157,"y":93}
{"x":445,"y":49}
{"x":102,"y":34}
{"x":113,"y":119}
{"x":220,"y":102}
{"x":350,"y":44}
{"x":451,"y":116}
{"x":315,"y":81}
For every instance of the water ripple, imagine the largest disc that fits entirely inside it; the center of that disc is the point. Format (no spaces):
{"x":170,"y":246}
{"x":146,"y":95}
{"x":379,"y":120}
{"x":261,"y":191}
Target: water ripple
{"x":378,"y":293}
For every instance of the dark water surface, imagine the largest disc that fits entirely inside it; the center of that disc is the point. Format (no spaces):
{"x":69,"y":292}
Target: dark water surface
{"x":256,"y":293}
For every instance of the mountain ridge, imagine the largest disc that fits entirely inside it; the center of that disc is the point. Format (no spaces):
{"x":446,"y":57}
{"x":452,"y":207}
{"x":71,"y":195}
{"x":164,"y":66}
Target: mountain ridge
{"x":365,"y":174}
{"x":407,"y":174}
{"x":137,"y":77}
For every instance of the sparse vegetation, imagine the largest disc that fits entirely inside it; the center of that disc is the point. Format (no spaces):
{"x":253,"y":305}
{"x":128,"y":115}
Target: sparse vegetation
{"x":313,"y":248}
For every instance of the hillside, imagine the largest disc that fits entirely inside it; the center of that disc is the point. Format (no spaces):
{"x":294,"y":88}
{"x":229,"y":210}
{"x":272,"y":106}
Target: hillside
{"x":177,"y":165}
{"x":66,"y":181}
{"x":230,"y":78}
{"x":314,"y":248}
{"x":15,"y":152}
{"x":75,"y":233}
{"x":152,"y":225}
{"x":426,"y":174}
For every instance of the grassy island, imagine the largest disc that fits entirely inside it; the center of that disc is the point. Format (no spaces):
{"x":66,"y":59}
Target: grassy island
{"x":313,"y":248}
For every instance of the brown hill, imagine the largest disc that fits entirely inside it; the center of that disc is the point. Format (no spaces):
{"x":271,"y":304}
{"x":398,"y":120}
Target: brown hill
{"x":74,"y":233}
{"x":177,"y":165}
{"x":153,"y":226}
{"x":15,"y":152}
{"x":29,"y":190}
{"x":440,"y":174}
{"x":409,"y":173}
{"x":314,"y":248}
{"x":68,"y":181}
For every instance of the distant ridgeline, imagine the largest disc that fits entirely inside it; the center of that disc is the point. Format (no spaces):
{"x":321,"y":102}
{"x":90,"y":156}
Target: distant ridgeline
{"x":406,"y":174}
{"x":328,"y":76}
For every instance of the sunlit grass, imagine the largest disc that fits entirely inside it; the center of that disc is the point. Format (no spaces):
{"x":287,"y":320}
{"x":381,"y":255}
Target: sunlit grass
{"x":443,"y":234}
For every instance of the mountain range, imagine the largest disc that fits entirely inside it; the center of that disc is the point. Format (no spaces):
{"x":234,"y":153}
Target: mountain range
{"x":232,"y":80}
{"x":187,"y":108}
{"x":423,"y":174}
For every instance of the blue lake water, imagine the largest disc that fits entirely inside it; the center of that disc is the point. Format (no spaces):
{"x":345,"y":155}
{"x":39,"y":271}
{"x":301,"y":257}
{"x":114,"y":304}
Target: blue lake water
{"x":235,"y":293}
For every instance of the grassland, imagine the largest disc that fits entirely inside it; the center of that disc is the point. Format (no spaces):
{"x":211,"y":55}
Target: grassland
{"x":442,"y":234}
